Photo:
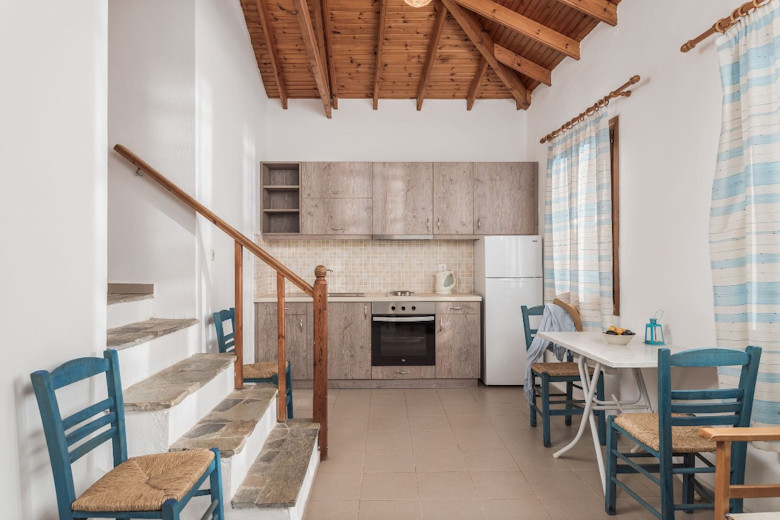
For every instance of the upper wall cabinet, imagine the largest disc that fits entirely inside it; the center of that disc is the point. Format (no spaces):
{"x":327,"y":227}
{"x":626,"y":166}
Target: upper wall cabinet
{"x":281,"y":197}
{"x":403,"y":198}
{"x":342,"y":180}
{"x":453,"y":195}
{"x":505,"y":198}
{"x":336,"y":198}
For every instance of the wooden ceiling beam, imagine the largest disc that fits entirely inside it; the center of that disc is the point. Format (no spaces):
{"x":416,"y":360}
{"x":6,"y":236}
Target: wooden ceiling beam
{"x":476,"y":82}
{"x":484,"y":44}
{"x":525,"y":26}
{"x":522,"y":65}
{"x":315,"y":55}
{"x":380,"y":42}
{"x":441,"y":16}
{"x":334,"y":93}
{"x":281,"y":87}
{"x":602,"y":10}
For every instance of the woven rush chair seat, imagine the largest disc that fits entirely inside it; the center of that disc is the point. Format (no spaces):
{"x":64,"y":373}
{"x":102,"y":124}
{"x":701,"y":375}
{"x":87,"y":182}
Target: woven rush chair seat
{"x":644,"y":428}
{"x":144,"y":483}
{"x":264,"y":370}
{"x":564,"y":369}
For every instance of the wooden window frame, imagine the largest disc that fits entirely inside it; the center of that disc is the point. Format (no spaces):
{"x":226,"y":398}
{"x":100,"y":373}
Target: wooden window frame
{"x":614,"y":155}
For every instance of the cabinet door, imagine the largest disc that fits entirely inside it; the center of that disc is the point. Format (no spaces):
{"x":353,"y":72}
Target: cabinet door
{"x":298,"y":343}
{"x":336,"y":216}
{"x":505,"y":198}
{"x":453,"y":191}
{"x":403,"y":198}
{"x":457,"y":346}
{"x":349,"y":341}
{"x":324,"y":180}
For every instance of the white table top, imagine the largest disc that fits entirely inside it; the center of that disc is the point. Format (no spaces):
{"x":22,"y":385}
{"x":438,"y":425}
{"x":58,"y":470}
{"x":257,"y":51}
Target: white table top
{"x":593,"y":346}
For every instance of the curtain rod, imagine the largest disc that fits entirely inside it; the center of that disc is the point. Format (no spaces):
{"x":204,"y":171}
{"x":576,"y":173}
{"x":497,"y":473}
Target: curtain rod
{"x":724,"y":24}
{"x":620,"y":91}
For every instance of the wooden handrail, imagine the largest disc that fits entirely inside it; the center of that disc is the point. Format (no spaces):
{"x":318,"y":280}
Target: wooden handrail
{"x":319,"y":293}
{"x":221,"y":224}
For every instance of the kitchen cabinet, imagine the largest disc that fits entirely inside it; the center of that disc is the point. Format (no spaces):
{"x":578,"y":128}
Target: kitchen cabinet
{"x":349,"y":340}
{"x":280,"y":198}
{"x":402,"y":198}
{"x":298,"y":321}
{"x":453,"y":195}
{"x":336,"y":198}
{"x":505,"y":198}
{"x":457,"y":340}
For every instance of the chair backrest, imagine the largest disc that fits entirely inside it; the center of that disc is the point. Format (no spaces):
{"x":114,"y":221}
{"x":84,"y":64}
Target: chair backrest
{"x":709,"y":407}
{"x":70,"y":438}
{"x":529,"y":332}
{"x":227,"y":342}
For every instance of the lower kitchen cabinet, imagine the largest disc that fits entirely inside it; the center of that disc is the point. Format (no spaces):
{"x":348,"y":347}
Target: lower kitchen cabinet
{"x":298,"y":336}
{"x":457,"y":340}
{"x":349,"y":340}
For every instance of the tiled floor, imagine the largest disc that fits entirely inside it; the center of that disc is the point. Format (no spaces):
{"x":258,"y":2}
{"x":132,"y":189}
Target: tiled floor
{"x":453,"y":454}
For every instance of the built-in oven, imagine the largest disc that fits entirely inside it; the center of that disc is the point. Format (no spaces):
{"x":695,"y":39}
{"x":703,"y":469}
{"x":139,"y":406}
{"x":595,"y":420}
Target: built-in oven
{"x":403,"y":334}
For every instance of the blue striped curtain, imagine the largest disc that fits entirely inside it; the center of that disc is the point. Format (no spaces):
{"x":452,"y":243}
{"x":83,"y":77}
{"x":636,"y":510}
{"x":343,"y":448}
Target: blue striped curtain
{"x":745,"y":212}
{"x":578,"y":221}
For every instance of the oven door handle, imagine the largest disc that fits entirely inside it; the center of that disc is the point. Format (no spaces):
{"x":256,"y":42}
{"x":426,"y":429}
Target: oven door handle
{"x":414,"y":319}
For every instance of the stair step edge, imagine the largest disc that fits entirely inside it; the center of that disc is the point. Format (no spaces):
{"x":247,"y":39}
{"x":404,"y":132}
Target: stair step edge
{"x":275,"y":478}
{"x":170,"y":386}
{"x":231,"y":422}
{"x":142,"y":331}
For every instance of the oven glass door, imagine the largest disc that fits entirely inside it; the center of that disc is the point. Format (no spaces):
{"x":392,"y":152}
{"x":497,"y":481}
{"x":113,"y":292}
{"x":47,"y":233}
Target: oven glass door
{"x":403,"y":340}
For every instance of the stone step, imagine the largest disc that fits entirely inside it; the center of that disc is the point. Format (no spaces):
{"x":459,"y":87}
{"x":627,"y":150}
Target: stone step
{"x":129,"y":303}
{"x":279,"y":482}
{"x":238,"y":426}
{"x":146,"y":347}
{"x":161,"y":408}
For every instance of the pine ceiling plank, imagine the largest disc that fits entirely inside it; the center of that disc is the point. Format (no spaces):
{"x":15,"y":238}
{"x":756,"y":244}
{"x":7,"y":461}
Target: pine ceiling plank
{"x":380,"y":41}
{"x":272,"y":53}
{"x":599,"y":9}
{"x":441,"y":16}
{"x":475,"y":83}
{"x":523,"y":65}
{"x":317,"y":67}
{"x":482,"y":41}
{"x":534,"y":30}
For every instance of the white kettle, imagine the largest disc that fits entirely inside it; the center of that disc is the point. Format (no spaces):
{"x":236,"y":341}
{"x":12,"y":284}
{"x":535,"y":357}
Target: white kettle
{"x":445,"y":282}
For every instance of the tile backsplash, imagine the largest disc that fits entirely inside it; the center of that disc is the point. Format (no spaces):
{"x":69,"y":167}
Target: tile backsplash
{"x":369,"y":265}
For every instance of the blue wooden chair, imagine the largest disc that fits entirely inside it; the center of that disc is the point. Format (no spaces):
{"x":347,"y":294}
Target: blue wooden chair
{"x":150,"y":486}
{"x":265,"y":372}
{"x":565,"y":372}
{"x":674,"y":432}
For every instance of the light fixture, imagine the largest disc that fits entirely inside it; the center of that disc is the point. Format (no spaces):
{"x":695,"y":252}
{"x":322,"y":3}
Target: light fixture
{"x":418,"y":3}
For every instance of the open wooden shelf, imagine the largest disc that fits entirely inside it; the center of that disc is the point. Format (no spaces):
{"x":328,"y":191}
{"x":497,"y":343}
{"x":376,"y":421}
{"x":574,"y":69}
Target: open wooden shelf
{"x":281,"y":198}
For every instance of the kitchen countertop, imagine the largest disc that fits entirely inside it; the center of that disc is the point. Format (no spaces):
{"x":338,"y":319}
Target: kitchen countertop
{"x":378,"y":297}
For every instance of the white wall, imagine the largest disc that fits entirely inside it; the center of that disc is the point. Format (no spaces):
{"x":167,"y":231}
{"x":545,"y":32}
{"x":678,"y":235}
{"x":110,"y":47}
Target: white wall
{"x":442,"y":131}
{"x":230,"y":142}
{"x":184,"y":94}
{"x":669,"y":131}
{"x":53,"y":225}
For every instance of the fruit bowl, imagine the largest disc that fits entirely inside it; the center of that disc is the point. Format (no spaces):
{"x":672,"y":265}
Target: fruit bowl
{"x":619,"y":339}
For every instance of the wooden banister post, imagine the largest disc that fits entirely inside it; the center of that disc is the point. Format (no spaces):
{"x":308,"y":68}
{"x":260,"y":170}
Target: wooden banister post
{"x":722,"y":478}
{"x":239,"y":316}
{"x":320,"y":411}
{"x":281,"y":397}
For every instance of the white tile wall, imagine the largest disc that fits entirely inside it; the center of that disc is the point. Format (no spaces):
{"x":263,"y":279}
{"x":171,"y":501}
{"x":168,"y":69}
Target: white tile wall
{"x":369,"y":265}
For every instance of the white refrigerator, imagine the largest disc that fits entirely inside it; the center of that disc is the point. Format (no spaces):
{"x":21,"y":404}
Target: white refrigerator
{"x":508,"y":274}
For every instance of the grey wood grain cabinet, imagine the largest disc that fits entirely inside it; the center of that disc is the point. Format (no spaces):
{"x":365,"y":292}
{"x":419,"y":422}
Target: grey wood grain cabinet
{"x":403,"y":198}
{"x":453,"y":195}
{"x":349,"y":340}
{"x":457,"y":340}
{"x":336,"y":198}
{"x":505,"y":198}
{"x":298,"y":336}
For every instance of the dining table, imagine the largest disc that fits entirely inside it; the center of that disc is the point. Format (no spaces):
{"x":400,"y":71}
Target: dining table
{"x":591,"y":348}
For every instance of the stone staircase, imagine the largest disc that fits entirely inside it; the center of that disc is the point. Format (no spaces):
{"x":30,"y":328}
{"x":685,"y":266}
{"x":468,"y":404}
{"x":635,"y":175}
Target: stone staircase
{"x":177,"y":398}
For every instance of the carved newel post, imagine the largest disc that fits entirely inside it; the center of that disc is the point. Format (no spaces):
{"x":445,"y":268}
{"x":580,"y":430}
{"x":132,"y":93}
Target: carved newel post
{"x":321,"y":357}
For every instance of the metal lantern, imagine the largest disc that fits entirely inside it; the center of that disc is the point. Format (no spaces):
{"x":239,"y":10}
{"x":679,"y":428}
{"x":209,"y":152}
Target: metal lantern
{"x":654,"y":331}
